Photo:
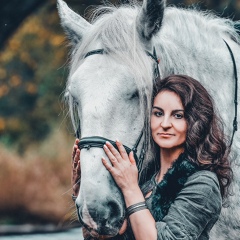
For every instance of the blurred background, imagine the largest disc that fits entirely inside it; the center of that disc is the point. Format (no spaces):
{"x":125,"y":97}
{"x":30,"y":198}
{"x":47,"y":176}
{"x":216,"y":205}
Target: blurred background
{"x":36,"y":137}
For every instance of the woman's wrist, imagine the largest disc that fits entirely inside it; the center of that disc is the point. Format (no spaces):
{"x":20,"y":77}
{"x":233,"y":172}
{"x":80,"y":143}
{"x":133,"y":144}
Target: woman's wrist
{"x":133,"y":196}
{"x":136,"y":208}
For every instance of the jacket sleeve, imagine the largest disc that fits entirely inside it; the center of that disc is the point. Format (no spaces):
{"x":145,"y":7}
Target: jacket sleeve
{"x":198,"y":203}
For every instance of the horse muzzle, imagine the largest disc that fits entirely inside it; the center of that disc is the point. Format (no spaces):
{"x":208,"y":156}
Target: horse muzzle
{"x":101,"y":218}
{"x":100,"y":205}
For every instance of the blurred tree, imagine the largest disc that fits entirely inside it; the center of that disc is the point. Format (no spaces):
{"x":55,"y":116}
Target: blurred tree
{"x":31,"y":79}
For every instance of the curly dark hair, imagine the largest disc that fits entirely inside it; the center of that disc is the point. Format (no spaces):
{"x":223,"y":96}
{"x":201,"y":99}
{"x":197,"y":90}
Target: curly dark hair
{"x":206,"y":144}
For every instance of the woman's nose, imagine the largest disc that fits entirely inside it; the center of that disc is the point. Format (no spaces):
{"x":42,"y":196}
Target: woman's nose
{"x":166,"y":122}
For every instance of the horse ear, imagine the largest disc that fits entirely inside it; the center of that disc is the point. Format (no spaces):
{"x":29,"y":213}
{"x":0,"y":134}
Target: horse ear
{"x":74,"y":25}
{"x":150,"y":18}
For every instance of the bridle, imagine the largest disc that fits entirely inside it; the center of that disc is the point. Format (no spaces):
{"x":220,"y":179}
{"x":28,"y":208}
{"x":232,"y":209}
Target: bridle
{"x":98,"y":141}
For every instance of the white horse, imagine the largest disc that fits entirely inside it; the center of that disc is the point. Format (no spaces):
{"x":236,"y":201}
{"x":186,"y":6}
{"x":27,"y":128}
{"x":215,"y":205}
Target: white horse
{"x":109,"y":91}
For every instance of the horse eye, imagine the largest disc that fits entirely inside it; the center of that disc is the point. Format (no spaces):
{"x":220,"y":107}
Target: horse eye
{"x":134,"y":95}
{"x":75,"y":102}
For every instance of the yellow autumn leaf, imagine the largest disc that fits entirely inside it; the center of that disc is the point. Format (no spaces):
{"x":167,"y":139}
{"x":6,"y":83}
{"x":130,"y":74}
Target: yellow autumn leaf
{"x":31,"y":88}
{"x":15,"y":80}
{"x":4,"y":89}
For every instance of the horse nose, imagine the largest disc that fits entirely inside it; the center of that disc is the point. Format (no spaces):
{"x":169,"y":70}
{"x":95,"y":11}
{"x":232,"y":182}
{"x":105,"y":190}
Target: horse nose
{"x":105,"y":219}
{"x":108,"y":218}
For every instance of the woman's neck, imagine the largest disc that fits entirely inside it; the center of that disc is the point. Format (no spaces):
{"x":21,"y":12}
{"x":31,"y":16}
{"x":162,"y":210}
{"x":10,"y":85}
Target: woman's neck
{"x":167,"y":157}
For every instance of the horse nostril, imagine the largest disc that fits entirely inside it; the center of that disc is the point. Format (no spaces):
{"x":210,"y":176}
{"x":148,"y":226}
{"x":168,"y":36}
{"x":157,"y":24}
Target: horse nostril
{"x":104,"y":219}
{"x":116,"y":214}
{"x":114,"y":209}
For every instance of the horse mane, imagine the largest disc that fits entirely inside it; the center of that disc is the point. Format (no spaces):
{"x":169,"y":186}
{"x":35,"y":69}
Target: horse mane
{"x":195,"y":31}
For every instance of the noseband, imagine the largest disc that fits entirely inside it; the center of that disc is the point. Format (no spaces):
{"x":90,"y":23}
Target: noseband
{"x":98,"y":142}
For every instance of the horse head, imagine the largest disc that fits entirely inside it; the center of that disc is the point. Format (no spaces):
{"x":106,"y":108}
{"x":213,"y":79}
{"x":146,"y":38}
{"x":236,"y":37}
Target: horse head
{"x":109,"y":92}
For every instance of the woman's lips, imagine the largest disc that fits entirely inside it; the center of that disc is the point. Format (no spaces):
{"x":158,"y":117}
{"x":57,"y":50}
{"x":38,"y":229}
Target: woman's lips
{"x":166,"y":134}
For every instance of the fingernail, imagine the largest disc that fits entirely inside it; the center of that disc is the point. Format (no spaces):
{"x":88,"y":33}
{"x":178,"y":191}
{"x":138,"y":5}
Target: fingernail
{"x":117,"y":140}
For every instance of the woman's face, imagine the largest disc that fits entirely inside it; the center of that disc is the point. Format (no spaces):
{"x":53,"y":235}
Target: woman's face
{"x":168,"y":124}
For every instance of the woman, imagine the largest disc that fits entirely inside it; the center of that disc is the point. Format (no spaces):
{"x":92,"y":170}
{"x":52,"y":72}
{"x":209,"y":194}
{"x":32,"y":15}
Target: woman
{"x":183,"y":199}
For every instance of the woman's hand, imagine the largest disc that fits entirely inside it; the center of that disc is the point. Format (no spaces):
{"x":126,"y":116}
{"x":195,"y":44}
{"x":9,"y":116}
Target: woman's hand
{"x":125,"y":173}
{"x":76,"y":169}
{"x":123,"y":168}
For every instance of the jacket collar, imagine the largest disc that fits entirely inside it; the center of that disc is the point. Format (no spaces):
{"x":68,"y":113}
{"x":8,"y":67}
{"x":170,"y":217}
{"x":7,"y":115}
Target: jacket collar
{"x":172,"y":183}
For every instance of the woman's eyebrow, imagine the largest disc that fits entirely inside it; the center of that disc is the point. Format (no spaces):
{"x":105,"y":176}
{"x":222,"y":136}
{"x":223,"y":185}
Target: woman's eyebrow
{"x":175,"y":110}
{"x":178,"y":110}
{"x":157,"y":108}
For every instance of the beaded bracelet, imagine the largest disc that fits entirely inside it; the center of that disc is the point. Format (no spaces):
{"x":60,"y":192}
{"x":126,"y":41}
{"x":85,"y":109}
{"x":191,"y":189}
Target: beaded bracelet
{"x":135,"y":208}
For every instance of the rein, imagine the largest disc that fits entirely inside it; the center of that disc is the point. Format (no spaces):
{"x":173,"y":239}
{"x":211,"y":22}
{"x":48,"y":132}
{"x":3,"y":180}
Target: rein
{"x":98,"y":141}
{"x":235,"y":122}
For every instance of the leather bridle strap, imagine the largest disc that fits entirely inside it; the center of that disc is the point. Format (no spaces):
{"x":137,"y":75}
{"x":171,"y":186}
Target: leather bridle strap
{"x":152,"y":55}
{"x":157,"y":60}
{"x":235,"y":122}
{"x":98,"y":142}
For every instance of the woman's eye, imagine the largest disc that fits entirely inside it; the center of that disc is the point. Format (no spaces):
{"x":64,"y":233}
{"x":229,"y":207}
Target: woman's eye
{"x":158,"y":114}
{"x":178,"y":115}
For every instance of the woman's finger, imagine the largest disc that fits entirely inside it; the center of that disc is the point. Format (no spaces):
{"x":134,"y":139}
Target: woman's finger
{"x":76,"y":158}
{"x":131,"y":158}
{"x":75,"y":147}
{"x":78,"y":168}
{"x":122,"y":150}
{"x":113,"y":151}
{"x":110,"y":155}
{"x":108,"y":166}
